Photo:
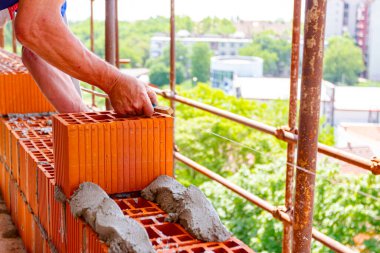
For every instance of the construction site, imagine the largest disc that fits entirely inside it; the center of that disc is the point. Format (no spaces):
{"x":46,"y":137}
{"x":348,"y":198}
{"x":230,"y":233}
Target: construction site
{"x":101,"y":182}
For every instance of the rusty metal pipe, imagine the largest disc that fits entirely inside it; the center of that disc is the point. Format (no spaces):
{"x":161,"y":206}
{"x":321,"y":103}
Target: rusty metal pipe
{"x":172,"y":53}
{"x":110,"y":30}
{"x":2,"y":41}
{"x":312,"y":69}
{"x":237,"y":189}
{"x":92,"y":46}
{"x":277,"y":213}
{"x":345,"y":156}
{"x":292,"y":121}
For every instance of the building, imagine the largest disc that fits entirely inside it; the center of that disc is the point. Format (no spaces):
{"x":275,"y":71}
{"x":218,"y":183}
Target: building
{"x":373,"y":56}
{"x":339,"y":104}
{"x":225,"y":69}
{"x":220,"y":46}
{"x":334,"y":18}
{"x":360,"y":19}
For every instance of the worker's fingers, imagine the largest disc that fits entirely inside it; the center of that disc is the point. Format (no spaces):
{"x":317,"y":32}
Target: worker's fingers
{"x":152,"y":96}
{"x":148,"y":107}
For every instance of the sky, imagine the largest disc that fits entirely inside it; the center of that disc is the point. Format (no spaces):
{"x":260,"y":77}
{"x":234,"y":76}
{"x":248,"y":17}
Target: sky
{"x":197,"y":9}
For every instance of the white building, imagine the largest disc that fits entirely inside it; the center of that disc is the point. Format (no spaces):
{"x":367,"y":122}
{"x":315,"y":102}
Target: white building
{"x":334,"y":18}
{"x":219,"y":45}
{"x":338,"y":103}
{"x":360,"y":18}
{"x":373,"y":68}
{"x":225,"y":69}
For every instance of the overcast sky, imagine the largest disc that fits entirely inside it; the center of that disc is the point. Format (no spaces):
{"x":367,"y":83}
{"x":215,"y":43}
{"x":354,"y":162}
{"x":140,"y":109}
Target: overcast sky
{"x":197,"y":9}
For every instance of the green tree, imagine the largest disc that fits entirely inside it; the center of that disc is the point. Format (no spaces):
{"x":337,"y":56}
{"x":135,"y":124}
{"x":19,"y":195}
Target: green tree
{"x":343,"y":61}
{"x":274,"y":50}
{"x":256,"y":162}
{"x":219,"y":26}
{"x":200,"y":62}
{"x":159,"y":73}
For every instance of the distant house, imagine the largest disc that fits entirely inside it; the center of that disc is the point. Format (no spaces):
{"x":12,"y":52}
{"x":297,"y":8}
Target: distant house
{"x":224,"y":69}
{"x":338,"y":103}
{"x":219,"y":45}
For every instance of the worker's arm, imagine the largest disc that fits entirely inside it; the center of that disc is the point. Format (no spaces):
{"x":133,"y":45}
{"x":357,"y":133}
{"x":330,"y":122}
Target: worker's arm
{"x":39,"y":27}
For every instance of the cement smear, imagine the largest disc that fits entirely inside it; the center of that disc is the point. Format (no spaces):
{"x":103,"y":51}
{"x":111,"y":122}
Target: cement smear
{"x":189,"y":207}
{"x":121,"y":233}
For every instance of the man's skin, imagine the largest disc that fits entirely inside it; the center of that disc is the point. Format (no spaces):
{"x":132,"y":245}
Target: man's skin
{"x":47,"y":41}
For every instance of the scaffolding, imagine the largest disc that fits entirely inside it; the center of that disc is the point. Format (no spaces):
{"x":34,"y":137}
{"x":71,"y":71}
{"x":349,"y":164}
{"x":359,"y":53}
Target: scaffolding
{"x":297,"y":216}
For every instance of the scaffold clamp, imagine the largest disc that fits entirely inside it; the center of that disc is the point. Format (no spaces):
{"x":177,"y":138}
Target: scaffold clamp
{"x":375,"y":167}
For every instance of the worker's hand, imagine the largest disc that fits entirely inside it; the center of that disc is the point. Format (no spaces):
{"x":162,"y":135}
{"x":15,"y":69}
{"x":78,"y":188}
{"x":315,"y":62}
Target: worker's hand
{"x":130,"y":96}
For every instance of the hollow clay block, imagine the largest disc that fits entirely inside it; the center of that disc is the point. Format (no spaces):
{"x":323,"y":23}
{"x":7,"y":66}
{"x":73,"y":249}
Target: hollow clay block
{"x":188,"y":206}
{"x":166,"y":192}
{"x":121,"y":233}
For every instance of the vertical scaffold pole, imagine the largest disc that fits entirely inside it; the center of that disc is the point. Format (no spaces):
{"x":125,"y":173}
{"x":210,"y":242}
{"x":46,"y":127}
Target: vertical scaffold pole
{"x":172,"y":63}
{"x":2,"y":42}
{"x":312,"y":68}
{"x":92,"y":46}
{"x":292,"y":122}
{"x":110,"y":29}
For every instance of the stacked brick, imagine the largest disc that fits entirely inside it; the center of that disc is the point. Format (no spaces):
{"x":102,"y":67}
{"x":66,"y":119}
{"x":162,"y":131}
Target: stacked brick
{"x":122,"y":155}
{"x":18,"y":91}
{"x":119,"y":154}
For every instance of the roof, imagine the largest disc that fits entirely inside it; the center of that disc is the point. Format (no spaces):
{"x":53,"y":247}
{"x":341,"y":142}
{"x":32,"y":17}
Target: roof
{"x":202,"y":39}
{"x":357,"y":98}
{"x":236,"y":59}
{"x":346,"y":97}
{"x":272,"y":88}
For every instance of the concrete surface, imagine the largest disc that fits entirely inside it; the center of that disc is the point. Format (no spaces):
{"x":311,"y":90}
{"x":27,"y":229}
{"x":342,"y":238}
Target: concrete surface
{"x":10,"y":241}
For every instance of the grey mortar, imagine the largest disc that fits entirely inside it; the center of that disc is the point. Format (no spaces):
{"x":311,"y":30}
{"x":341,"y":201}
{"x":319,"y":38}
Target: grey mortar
{"x":121,"y":233}
{"x":189,"y":207}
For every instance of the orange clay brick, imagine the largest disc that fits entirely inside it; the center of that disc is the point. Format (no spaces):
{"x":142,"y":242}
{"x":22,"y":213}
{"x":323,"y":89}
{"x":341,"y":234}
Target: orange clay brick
{"x":45,"y":173}
{"x":119,"y":154}
{"x":33,"y":153}
{"x":18,"y":91}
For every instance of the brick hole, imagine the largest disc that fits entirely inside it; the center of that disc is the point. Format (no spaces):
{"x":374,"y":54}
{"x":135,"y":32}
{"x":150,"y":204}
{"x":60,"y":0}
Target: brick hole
{"x":151,"y":233}
{"x":165,"y":241}
{"x":122,"y":205}
{"x":220,"y":250}
{"x":135,"y":211}
{"x":160,"y":219}
{"x":169,"y":229}
{"x":185,"y":238}
{"x":240,"y":251}
{"x":140,"y":203}
{"x":231,"y":244}
{"x":198,"y":250}
{"x":213,"y":245}
{"x":147,"y":221}
{"x":100,"y":117}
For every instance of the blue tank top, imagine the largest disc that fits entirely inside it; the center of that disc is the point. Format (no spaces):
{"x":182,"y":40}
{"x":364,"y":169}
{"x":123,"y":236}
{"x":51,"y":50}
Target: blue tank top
{"x":4,"y":4}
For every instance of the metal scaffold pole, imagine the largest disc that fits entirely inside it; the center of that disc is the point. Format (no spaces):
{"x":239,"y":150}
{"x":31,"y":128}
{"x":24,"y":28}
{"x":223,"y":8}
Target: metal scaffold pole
{"x":292,"y":121}
{"x":110,"y":29}
{"x":92,"y":46}
{"x":2,"y":38}
{"x":172,"y":64}
{"x":312,"y":68}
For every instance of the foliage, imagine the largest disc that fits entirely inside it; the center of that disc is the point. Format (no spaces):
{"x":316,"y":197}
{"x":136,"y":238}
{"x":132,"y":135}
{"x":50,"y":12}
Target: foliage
{"x":159,"y":73}
{"x":274,"y":50}
{"x":200,"y":62}
{"x":208,"y":133}
{"x":214,"y":25}
{"x":343,"y":61}
{"x":256,"y":162}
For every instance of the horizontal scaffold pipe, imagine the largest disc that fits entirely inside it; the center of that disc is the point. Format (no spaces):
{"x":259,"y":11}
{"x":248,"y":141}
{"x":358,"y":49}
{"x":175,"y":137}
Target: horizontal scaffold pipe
{"x":276,"y":212}
{"x":289,"y":137}
{"x":347,"y":157}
